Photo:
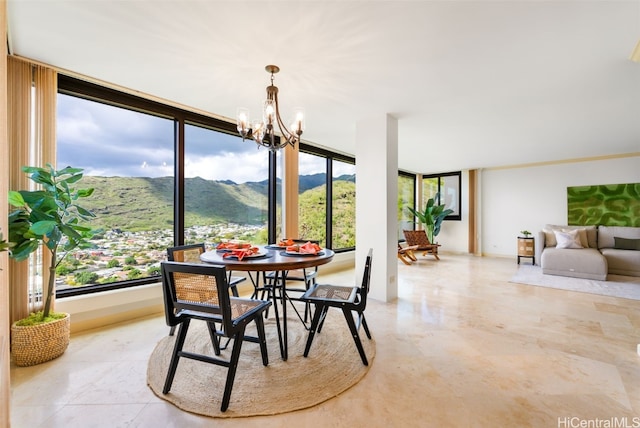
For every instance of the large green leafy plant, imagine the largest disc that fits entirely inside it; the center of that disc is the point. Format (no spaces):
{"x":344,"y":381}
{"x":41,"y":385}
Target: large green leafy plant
{"x":49,"y":216}
{"x":431,"y":217}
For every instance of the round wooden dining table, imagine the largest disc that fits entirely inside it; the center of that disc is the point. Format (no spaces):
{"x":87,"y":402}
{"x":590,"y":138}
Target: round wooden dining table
{"x":272,"y":259}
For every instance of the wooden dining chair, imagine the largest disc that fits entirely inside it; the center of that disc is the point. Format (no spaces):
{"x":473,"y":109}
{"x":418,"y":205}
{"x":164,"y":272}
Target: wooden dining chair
{"x":191,"y":253}
{"x":200,"y":291}
{"x":351,"y":300}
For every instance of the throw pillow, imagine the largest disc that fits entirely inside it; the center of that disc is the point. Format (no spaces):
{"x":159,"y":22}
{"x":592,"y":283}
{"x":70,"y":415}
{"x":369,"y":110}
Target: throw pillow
{"x":626,"y":244}
{"x":549,"y":238}
{"x":582,"y":234}
{"x":568,"y":239}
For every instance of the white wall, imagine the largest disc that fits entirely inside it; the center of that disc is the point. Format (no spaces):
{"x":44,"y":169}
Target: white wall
{"x":515,"y":199}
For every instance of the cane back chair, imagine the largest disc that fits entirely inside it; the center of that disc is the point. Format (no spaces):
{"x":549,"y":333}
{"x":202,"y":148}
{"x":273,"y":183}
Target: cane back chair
{"x":201,"y":292}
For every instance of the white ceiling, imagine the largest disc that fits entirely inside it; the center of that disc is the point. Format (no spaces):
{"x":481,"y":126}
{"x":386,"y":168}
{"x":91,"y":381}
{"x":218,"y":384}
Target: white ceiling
{"x":473,"y":84}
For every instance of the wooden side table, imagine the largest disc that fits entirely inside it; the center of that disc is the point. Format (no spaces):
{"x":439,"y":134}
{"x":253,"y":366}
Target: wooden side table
{"x":526,"y":248}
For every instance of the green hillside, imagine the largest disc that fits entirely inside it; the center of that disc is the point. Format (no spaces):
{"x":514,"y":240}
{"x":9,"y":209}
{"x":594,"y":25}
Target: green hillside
{"x":313,"y":211}
{"x":136,"y":204}
{"x":140,"y":203}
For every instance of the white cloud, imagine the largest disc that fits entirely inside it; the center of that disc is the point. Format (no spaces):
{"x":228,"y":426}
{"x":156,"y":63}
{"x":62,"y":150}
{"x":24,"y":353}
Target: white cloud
{"x":238,"y":167}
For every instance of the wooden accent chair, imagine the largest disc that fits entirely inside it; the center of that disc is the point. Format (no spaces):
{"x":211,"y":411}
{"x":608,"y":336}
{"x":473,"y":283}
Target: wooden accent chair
{"x":201,"y":292}
{"x":405,"y":253}
{"x":419,"y":238}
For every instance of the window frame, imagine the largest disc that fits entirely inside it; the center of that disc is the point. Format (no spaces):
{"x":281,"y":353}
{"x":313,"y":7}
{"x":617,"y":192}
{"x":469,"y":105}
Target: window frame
{"x":414,"y":177}
{"x":93,"y":92}
{"x":455,"y":216}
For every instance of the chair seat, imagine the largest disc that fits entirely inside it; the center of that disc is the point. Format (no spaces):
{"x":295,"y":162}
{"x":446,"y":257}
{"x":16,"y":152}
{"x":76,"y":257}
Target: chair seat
{"x":332,"y":293}
{"x":350,"y":300}
{"x":245,"y":307}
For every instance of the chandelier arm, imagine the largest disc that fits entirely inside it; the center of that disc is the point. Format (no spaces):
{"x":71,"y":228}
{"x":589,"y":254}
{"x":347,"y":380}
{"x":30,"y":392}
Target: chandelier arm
{"x":288,"y":136}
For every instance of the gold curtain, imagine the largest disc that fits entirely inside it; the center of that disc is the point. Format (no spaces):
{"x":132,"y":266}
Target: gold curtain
{"x":32,"y":92}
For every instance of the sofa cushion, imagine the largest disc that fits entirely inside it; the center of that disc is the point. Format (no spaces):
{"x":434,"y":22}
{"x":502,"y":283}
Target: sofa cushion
{"x":622,"y":262}
{"x":626,"y":244}
{"x":607,"y":235}
{"x":581,"y":263}
{"x":569,"y":239}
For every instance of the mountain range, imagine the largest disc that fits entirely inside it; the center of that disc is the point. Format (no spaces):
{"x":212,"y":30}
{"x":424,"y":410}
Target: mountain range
{"x":142,"y":203}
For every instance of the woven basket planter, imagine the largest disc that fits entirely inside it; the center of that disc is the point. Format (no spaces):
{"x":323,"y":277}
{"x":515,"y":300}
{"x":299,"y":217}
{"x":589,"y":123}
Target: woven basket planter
{"x":35,"y":344}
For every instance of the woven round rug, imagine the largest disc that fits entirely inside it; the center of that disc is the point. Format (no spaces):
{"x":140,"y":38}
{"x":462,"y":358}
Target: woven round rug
{"x":332,"y":367}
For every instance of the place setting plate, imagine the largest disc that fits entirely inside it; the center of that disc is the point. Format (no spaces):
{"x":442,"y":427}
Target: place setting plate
{"x":257,"y":255}
{"x":275,"y":247}
{"x":298,"y":254}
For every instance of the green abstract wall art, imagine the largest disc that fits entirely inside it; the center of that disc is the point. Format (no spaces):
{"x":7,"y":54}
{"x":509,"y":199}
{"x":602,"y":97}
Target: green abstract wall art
{"x":605,"y":204}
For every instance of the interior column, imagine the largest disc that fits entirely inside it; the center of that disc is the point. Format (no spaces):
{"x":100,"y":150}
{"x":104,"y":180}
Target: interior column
{"x":376,"y":203}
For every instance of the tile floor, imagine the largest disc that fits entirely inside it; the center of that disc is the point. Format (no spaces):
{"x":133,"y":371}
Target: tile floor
{"x":461,"y":347}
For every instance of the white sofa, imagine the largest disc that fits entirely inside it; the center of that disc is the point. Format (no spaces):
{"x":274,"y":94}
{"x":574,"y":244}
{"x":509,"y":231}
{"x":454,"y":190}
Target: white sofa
{"x":621,"y":247}
{"x":596,"y":252}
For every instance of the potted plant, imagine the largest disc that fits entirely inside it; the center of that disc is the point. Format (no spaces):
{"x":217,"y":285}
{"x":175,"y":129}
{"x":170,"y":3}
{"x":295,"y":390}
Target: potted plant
{"x":431,"y":217}
{"x":526,"y":233}
{"x":49,"y":217}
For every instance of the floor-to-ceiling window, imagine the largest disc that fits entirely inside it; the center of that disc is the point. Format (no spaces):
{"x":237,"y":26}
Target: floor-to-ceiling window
{"x":312,"y":199}
{"x":326,"y":176}
{"x":128,"y":158}
{"x":343,"y":195}
{"x":226,"y":187}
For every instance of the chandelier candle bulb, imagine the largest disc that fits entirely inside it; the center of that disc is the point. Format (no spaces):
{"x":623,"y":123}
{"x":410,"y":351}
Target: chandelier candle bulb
{"x":243,"y":121}
{"x":298,"y":123}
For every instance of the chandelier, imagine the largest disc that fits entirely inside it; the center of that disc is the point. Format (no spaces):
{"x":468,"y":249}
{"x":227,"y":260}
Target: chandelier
{"x":263,"y":132}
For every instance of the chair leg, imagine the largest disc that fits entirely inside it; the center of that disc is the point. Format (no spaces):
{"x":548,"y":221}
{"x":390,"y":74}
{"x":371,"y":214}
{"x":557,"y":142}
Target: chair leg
{"x":211,"y":326}
{"x":175,"y":357}
{"x":312,"y":329}
{"x":325,"y":309}
{"x":403,"y":259}
{"x":172,"y":330}
{"x":233,"y":365}
{"x":348,"y":316}
{"x":263,"y":340}
{"x":363,"y":321}
{"x":308,"y":285}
